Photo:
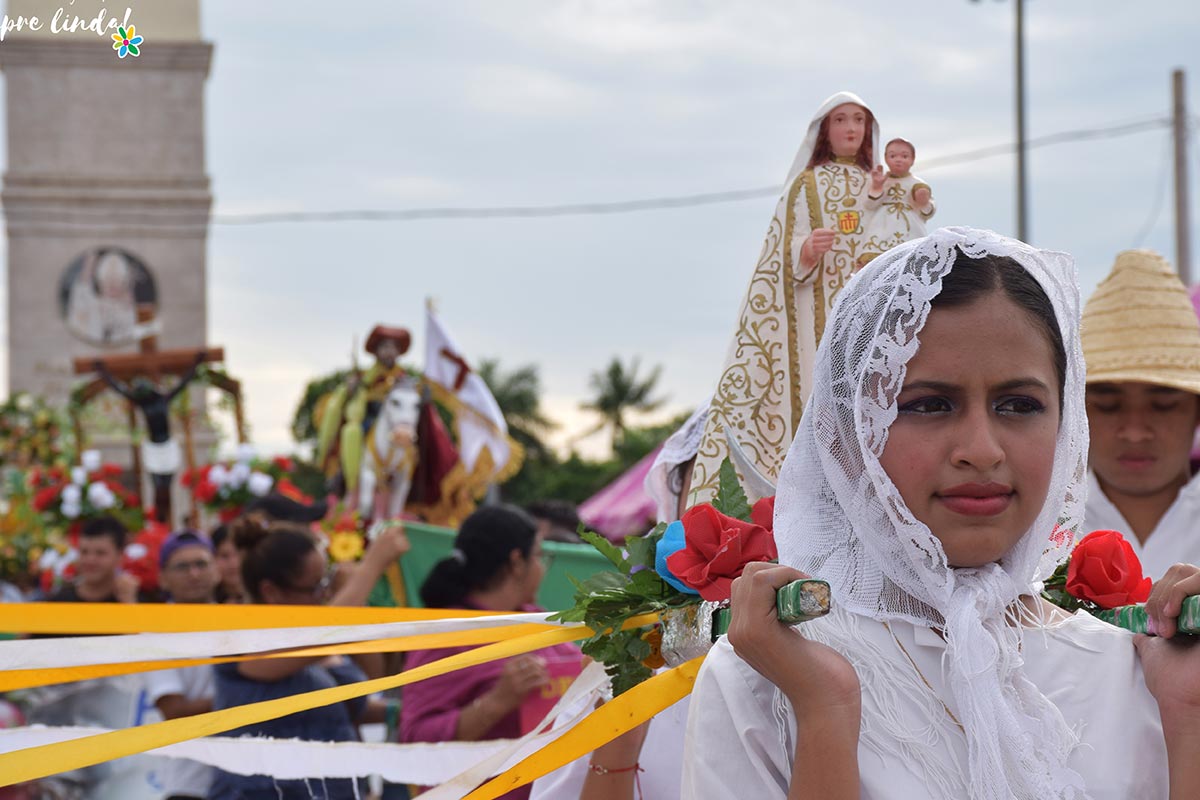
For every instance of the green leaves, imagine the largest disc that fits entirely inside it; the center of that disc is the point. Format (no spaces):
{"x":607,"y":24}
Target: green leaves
{"x":606,"y":600}
{"x":731,"y":498}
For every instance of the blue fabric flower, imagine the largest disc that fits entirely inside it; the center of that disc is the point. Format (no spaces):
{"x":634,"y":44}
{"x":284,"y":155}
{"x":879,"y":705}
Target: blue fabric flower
{"x":672,"y":540}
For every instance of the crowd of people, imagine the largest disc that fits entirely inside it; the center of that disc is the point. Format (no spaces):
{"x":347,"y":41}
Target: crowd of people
{"x":955,"y":420}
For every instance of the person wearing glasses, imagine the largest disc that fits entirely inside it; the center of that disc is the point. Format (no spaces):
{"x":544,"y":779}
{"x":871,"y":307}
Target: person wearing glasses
{"x":187,"y":573}
{"x":282,"y":565}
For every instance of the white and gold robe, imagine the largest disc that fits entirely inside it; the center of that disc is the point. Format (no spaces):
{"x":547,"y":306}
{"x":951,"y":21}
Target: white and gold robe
{"x":765,"y":378}
{"x":893,"y":218}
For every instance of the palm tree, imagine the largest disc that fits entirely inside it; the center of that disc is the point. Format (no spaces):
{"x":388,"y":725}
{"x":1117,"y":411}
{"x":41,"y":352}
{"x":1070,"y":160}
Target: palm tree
{"x":618,"y":391}
{"x":518,"y":393}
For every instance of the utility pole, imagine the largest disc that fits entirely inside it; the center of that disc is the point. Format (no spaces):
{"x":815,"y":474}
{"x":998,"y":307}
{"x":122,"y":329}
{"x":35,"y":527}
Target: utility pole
{"x":1022,"y":209}
{"x":1183,"y":239}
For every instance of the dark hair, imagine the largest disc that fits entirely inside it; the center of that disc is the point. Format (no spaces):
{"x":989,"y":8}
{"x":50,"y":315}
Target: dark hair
{"x":481,"y":554}
{"x":105,"y":526}
{"x":271,"y":551}
{"x":865,"y":157}
{"x":974,"y":278}
{"x":559,"y":513}
{"x":219,"y":535}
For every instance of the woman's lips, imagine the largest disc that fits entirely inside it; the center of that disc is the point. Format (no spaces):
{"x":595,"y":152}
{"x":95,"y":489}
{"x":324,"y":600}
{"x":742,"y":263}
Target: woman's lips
{"x":977,"y":499}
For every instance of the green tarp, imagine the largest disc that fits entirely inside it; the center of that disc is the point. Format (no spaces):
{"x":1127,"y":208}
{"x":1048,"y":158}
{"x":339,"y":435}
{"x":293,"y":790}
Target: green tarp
{"x":431,"y":544}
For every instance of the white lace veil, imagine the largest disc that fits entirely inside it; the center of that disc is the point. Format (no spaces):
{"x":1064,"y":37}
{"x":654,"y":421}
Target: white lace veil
{"x":839,"y":516}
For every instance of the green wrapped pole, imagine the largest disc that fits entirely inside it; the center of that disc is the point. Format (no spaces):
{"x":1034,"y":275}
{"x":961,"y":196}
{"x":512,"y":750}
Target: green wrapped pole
{"x":1134,"y":618}
{"x":797,"y":602}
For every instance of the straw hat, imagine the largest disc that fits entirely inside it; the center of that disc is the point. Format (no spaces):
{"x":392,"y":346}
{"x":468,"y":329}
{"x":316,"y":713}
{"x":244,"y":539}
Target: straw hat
{"x":1139,"y":325}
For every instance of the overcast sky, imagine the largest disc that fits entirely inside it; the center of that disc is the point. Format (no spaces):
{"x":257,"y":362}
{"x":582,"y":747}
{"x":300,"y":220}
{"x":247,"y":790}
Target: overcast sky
{"x":355,"y":105}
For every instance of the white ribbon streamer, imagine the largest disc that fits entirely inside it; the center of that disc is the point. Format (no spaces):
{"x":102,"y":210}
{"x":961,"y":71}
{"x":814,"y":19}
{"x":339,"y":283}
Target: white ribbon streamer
{"x":87,"y":650}
{"x":426,"y":764}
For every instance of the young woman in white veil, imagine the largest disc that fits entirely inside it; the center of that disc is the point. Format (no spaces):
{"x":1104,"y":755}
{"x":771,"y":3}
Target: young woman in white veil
{"x":938,"y":473}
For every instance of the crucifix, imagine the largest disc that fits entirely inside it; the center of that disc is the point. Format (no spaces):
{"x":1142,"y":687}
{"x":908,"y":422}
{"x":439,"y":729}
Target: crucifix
{"x":138,"y":378}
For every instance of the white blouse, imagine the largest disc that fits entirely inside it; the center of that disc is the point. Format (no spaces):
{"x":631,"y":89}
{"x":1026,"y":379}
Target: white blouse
{"x":1175,"y":539}
{"x":741,"y":730}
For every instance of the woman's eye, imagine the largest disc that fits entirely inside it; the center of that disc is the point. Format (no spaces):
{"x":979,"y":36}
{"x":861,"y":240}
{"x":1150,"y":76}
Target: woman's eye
{"x":926,"y":405}
{"x":1164,"y":406}
{"x":1020,"y":406}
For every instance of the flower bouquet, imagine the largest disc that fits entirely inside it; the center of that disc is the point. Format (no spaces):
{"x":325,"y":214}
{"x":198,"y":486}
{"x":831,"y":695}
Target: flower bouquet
{"x":30,"y":432}
{"x":683,"y":572}
{"x":1104,"y":577}
{"x":226,"y":488}
{"x":23,"y":536}
{"x":89,"y":490}
{"x":346,"y":540}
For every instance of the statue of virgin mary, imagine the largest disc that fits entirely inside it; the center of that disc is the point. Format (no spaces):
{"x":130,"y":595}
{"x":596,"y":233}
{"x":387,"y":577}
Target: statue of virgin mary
{"x":815,"y":242}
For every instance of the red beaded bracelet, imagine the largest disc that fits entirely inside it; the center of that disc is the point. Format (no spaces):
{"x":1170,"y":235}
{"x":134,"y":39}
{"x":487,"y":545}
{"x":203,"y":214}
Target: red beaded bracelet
{"x":599,"y":770}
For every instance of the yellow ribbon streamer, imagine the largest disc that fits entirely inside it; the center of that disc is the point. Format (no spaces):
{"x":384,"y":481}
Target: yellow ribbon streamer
{"x":14,"y":679}
{"x":105,"y":618}
{"x":38,"y":762}
{"x":619,"y":715}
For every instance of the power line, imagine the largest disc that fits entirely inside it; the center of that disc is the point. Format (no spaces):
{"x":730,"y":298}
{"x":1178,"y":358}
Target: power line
{"x":1163,"y":174}
{"x":191,"y":218}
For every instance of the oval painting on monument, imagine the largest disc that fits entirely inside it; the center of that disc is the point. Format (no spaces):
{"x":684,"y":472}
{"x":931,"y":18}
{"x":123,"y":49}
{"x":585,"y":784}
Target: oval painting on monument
{"x":107,"y":297}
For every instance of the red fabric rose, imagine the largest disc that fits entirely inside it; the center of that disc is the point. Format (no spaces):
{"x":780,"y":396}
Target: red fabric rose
{"x":763,"y":513}
{"x":1105,"y":570}
{"x":718,"y":549}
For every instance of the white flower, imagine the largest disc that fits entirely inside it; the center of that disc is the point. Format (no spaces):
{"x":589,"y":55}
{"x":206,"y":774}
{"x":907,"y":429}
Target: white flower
{"x":49,"y":559}
{"x":72,"y":494}
{"x":259,"y":483}
{"x":135,"y":551}
{"x":70,"y":510}
{"x":90,"y":460}
{"x":24,"y":402}
{"x":246,"y":453}
{"x":239,"y":474}
{"x":69,"y":558}
{"x":101,"y":496}
{"x":218,"y":475}
{"x":79,"y":476}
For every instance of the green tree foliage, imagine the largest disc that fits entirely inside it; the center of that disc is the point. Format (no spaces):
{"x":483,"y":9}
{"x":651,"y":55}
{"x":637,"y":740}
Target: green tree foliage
{"x":617,"y":391}
{"x":304,"y":428}
{"x":518,"y":392}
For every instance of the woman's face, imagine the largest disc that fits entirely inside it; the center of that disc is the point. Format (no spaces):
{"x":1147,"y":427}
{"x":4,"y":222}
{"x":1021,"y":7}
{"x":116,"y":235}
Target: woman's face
{"x":530,"y":571}
{"x":310,"y":586}
{"x":847,"y":127}
{"x":229,"y":564}
{"x":972,"y":447}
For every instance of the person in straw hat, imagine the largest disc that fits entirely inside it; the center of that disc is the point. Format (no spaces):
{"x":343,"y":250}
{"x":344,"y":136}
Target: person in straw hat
{"x":1141,"y":344}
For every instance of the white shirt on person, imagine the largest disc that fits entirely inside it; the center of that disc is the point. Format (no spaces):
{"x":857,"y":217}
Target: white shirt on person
{"x":1175,"y":539}
{"x":181,"y":776}
{"x":741,"y":731}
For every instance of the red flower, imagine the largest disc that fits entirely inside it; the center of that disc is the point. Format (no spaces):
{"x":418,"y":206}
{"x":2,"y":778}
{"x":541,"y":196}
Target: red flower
{"x":283,"y":462}
{"x":1105,"y":570}
{"x":44,"y":497}
{"x":111,"y":470}
{"x":186,"y":479}
{"x":205,"y":491}
{"x":763,"y":513}
{"x":718,"y":549}
{"x":290,"y":490}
